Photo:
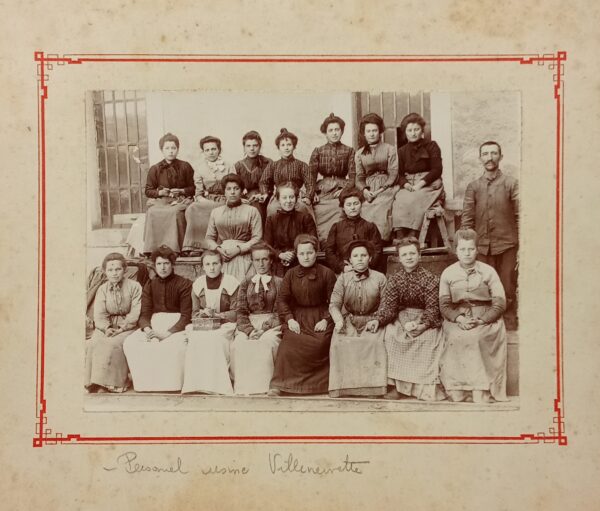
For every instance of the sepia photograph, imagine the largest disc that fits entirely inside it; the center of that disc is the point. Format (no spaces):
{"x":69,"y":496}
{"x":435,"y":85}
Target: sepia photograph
{"x":302,"y":251}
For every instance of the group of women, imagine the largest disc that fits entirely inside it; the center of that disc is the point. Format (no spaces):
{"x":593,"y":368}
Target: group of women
{"x":308,"y":332}
{"x":185,"y":206}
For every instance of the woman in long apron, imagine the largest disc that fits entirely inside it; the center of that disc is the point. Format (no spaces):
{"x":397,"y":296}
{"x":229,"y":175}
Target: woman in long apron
{"x":302,"y":363}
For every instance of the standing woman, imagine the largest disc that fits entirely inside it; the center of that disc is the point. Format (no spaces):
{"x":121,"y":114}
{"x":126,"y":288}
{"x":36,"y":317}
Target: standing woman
{"x":376,"y":174}
{"x":413,"y":337}
{"x":358,"y":356}
{"x":258,"y":332}
{"x":233,"y":228}
{"x":420,"y":178}
{"x":472,"y":302}
{"x":250,"y":169}
{"x":286,"y":169}
{"x":302,"y":363}
{"x":283,"y":226}
{"x":169,"y":188}
{"x":116,"y":311}
{"x":209,"y":193}
{"x":351,"y":227}
{"x":334,"y":161}
{"x":214,"y":295}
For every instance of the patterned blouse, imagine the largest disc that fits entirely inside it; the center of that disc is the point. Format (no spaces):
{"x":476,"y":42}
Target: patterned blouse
{"x":418,"y":289}
{"x":290,"y":169}
{"x":460,"y":288}
{"x":333,"y":160}
{"x":251,"y":302}
{"x":118,"y":305}
{"x":382,"y":158}
{"x":356,"y":294}
{"x":251,"y":170}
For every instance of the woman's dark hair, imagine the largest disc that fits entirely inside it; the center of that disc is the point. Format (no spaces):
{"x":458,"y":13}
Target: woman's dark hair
{"x":114,"y":256}
{"x":232,"y":178}
{"x":207,"y":253}
{"x":412,"y":118}
{"x":210,"y":138}
{"x":252,"y":135}
{"x":287,"y":184}
{"x":164,"y":252}
{"x":306,"y":238}
{"x":464,"y":234}
{"x":169,"y":137}
{"x":332,"y":119}
{"x":262,"y":245}
{"x":371,"y":119}
{"x":351,"y":191}
{"x":283,"y":134}
{"x":359,"y":243}
{"x":407,"y":242}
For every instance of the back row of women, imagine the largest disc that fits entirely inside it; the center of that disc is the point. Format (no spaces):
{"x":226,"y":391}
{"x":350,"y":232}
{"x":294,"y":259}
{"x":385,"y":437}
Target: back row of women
{"x":361,"y":334}
{"x":396,"y":186}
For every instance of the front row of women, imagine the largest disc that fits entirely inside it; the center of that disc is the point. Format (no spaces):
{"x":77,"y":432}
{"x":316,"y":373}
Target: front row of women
{"x":413,"y":334}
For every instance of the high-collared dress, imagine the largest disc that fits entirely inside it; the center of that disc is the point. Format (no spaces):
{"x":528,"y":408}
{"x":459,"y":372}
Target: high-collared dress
{"x":413,"y":362}
{"x":253,"y":360}
{"x":209,"y":195}
{"x":166,"y":307}
{"x":358,"y":359}
{"x":207,"y":356}
{"x":251,"y":170}
{"x":473,"y":360}
{"x":421,"y":160}
{"x":377,"y":170}
{"x":165,"y":222}
{"x":115,"y":306}
{"x":334,"y":162}
{"x":281,"y":230}
{"x":302,"y":363}
{"x":288,"y":170}
{"x":231,"y":226}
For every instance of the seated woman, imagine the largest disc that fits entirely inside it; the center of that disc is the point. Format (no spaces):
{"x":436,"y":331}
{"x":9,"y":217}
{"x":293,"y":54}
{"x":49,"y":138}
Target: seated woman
{"x":285,"y":170}
{"x":251,"y":169}
{"x":155,"y":353}
{"x":376,"y":174}
{"x":358,"y":358}
{"x":472,"y":301}
{"x":169,"y":188}
{"x":413,"y":338}
{"x":233,"y":229}
{"x":302,"y":363}
{"x":334,"y":161}
{"x":258,"y":329}
{"x":209,"y":194}
{"x":420,"y":178}
{"x":351,"y":227}
{"x":116,"y":312}
{"x":282,"y":228}
{"x":214,"y":295}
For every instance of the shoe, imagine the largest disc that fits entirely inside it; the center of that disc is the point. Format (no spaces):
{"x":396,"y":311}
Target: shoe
{"x":392,"y":394}
{"x":274,"y":393}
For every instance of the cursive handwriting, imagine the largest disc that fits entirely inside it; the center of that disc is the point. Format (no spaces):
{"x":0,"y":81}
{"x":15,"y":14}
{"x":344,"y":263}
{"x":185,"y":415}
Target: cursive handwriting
{"x":127,"y":461}
{"x":283,"y":465}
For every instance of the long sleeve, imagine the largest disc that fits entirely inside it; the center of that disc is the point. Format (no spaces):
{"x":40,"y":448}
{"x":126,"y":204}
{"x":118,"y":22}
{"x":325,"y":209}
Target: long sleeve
{"x":131,"y":319}
{"x":336,"y":301}
{"x":309,"y":226}
{"x":101,"y":315}
{"x":360,"y":173}
{"x":435,"y":163}
{"x":152,"y":186}
{"x":231,"y":315}
{"x":189,"y":186}
{"x":199,"y":183}
{"x":514,"y":197}
{"x":402,"y":168}
{"x":351,"y":168}
{"x":211,"y":232}
{"x":329,"y":285}
{"x":266,"y":180}
{"x":269,"y":235}
{"x":468,"y":211}
{"x":313,"y":163}
{"x":390,"y":303}
{"x":447,"y":308}
{"x":196,"y":303}
{"x":392,"y":166}
{"x":333,"y":261}
{"x":310,"y":181}
{"x":257,"y":230}
{"x":431,"y":317}
{"x":185,"y":307}
{"x":146,"y":308}
{"x":285,"y":299}
{"x":243,"y":311}
{"x":375,"y":237}
{"x":498,"y":298}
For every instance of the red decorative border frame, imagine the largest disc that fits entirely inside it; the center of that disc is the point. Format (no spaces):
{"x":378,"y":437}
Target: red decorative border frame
{"x":46,"y":62}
